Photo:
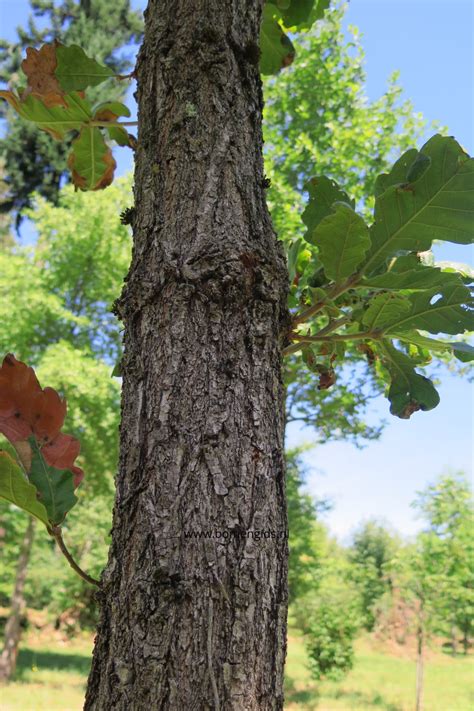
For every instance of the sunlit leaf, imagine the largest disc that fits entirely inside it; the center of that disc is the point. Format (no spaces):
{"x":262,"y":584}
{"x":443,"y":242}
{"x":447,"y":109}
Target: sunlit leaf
{"x":408,"y":272}
{"x":15,"y":488}
{"x":76,"y":71}
{"x":342,"y":239}
{"x":55,"y":120}
{"x":448,"y":310}
{"x":323,"y":193}
{"x":91,"y":161}
{"x":409,"y":391}
{"x":383,"y":309}
{"x":438,"y":205}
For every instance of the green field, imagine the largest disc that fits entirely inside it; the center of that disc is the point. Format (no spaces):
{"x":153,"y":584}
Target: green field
{"x":51,"y":676}
{"x":380,"y":681}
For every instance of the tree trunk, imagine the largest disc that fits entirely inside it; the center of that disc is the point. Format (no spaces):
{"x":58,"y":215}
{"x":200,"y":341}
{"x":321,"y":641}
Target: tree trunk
{"x":454,"y":639}
{"x":13,"y":626}
{"x":420,"y":638}
{"x":195,"y":622}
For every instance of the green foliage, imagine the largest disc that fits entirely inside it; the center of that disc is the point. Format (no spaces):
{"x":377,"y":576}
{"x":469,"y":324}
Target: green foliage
{"x":305,"y":533}
{"x":55,"y":307}
{"x":317,"y":114}
{"x":55,"y":487}
{"x":276,"y":48}
{"x":52,"y":72}
{"x":55,"y":120}
{"x":76,"y":71}
{"x":15,"y":488}
{"x":90,"y":160}
{"x":447,"y":549}
{"x":408,"y":389}
{"x":87,"y":251}
{"x":371,"y":556}
{"x":352,"y":257}
{"x":329,"y":640}
{"x":414,"y":210}
{"x":102,"y":28}
{"x":342,"y":239}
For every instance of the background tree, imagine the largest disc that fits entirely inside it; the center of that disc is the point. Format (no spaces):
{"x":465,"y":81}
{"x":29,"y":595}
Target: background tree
{"x":329,"y":613}
{"x":447,"y":508}
{"x":344,"y":268}
{"x":306,"y":537}
{"x":371,"y":554}
{"x":55,"y":304}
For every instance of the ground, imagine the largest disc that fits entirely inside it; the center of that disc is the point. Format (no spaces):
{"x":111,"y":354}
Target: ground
{"x":52,"y":672}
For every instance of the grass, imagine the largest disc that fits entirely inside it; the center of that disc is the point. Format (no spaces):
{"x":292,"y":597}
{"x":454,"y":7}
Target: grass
{"x":51,"y":676}
{"x":379,"y":682}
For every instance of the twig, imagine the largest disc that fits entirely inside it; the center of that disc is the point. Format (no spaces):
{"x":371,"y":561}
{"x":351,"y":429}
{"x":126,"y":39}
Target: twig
{"x":104,"y":124}
{"x":332,"y":294}
{"x":337,"y":337}
{"x":55,"y":532}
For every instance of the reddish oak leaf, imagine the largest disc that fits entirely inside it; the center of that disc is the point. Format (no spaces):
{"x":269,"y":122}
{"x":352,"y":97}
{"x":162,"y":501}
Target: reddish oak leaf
{"x":26,"y":409}
{"x":47,"y":414}
{"x":18,"y":386}
{"x":39,"y":68}
{"x":62,"y":451}
{"x":78,"y":475}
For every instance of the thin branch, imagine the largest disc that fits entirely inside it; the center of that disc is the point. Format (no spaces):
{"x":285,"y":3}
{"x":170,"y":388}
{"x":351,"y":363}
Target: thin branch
{"x":55,"y":532}
{"x":332,"y":294}
{"x":331,"y":326}
{"x":104,"y":124}
{"x":337,"y":337}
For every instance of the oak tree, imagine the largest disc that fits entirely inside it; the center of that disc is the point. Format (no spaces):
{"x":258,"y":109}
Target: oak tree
{"x":199,"y":621}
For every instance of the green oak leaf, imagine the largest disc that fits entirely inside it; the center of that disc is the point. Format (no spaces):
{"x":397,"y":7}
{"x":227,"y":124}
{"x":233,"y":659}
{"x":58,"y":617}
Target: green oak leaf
{"x":276,"y":48}
{"x":111,"y":111}
{"x":409,"y":391}
{"x":342,"y":239}
{"x":75,"y":71}
{"x":465,"y":270}
{"x":295,"y":12}
{"x":462,"y":351}
{"x":55,"y":486}
{"x":438,"y":205}
{"x":14,"y":487}
{"x":293,"y":254}
{"x":91,"y":160}
{"x":120,"y":135}
{"x":317,"y":13}
{"x":397,"y":174}
{"x":323,"y":193}
{"x":55,"y":120}
{"x":408,"y":272}
{"x":421,"y":164}
{"x":447,"y":310}
{"x":383,"y":309}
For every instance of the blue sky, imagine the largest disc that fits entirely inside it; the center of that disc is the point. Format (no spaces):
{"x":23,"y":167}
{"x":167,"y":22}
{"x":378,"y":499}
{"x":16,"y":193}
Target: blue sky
{"x":430,"y":43}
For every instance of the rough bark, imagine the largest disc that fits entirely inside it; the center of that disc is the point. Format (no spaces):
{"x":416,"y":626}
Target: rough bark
{"x":198,"y":623}
{"x":13,"y":627}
